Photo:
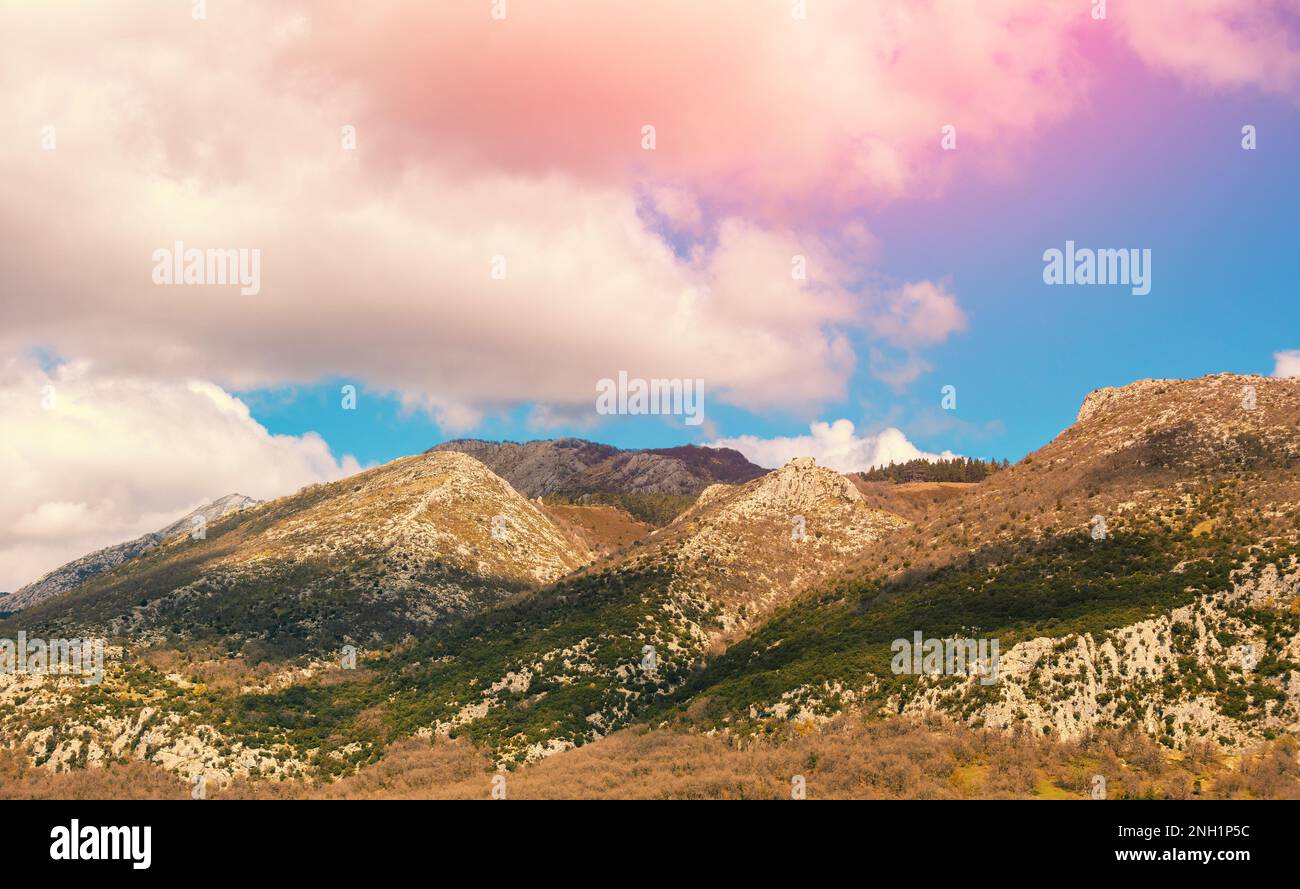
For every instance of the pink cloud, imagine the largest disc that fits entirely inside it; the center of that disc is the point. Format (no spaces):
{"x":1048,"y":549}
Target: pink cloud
{"x":521,"y":139}
{"x":766,"y":114}
{"x":1218,"y":43}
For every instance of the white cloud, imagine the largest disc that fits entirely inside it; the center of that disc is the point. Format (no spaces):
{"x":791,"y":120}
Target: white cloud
{"x":91,"y":460}
{"x":834,"y":445}
{"x":1287,"y":364}
{"x":379,"y":271}
{"x":226,"y":134}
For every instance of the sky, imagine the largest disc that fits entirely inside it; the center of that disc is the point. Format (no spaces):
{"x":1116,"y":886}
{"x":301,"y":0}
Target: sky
{"x":459,"y":212}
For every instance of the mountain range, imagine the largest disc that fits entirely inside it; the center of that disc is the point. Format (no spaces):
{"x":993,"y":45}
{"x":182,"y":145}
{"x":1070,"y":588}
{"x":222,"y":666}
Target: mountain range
{"x":1139,"y":573}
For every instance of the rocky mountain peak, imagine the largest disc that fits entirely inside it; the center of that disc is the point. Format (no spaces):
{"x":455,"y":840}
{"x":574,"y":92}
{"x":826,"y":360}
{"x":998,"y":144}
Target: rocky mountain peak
{"x":800,"y":486}
{"x":775,"y":535}
{"x":441,"y":505}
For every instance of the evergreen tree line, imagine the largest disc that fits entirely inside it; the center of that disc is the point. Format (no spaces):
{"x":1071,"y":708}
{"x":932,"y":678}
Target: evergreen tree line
{"x":958,"y":469}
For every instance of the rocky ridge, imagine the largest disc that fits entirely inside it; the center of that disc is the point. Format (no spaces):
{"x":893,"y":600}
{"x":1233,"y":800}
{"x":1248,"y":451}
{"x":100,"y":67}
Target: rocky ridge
{"x":74,"y":573}
{"x":416,"y":541}
{"x":573,"y":467}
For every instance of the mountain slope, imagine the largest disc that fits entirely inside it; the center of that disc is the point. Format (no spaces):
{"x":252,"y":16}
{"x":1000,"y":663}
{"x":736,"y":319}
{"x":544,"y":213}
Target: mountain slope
{"x":765,"y":604}
{"x":524,"y":671}
{"x":752,"y":547}
{"x":78,"y":571}
{"x":1176,"y":611}
{"x":386,"y":552}
{"x":584,"y":656}
{"x":573,"y":467}
{"x":604,"y":529}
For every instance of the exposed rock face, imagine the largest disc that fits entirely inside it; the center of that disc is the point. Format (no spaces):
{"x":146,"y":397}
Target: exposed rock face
{"x":573,"y":467}
{"x":97,"y":732}
{"x":1200,"y":672}
{"x":1150,"y":672}
{"x":77,"y":572}
{"x":799,"y":485}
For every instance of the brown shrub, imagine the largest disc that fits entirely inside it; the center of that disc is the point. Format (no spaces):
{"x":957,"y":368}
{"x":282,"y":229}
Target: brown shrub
{"x":846,"y":758}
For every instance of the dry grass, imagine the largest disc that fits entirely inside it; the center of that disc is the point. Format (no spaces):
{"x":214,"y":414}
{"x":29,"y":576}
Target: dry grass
{"x":847,"y":758}
{"x":129,"y":780}
{"x":912,"y":500}
{"x":603,"y":529}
